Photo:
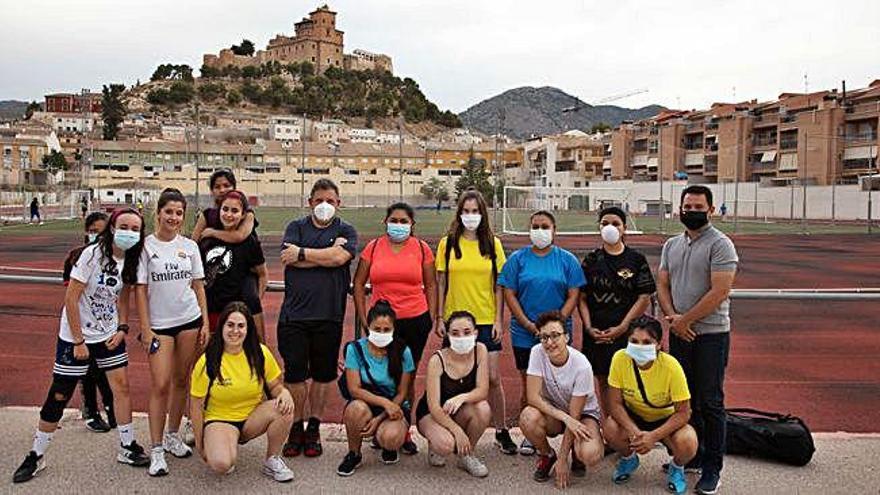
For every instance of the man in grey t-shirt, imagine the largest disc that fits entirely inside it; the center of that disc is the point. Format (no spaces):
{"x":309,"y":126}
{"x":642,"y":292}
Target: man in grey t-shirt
{"x":697,"y":269}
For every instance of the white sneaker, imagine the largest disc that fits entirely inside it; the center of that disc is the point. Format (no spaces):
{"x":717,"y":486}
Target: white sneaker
{"x":473,"y":466}
{"x":436,"y":460}
{"x":174,"y":445}
{"x":158,"y":466}
{"x":186,"y":432}
{"x":276,"y":469}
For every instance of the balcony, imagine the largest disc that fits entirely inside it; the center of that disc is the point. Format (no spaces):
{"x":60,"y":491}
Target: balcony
{"x":693,"y":145}
{"x":711,"y":147}
{"x":788,"y":143}
{"x":764,"y":140}
{"x":860,"y":137}
{"x":763,"y":167}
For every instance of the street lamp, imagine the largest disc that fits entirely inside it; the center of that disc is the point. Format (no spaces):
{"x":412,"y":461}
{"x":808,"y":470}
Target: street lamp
{"x":302,"y":165}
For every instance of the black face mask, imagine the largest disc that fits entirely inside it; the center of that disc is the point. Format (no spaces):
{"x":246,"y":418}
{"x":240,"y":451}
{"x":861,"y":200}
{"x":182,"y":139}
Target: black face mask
{"x":694,"y":220}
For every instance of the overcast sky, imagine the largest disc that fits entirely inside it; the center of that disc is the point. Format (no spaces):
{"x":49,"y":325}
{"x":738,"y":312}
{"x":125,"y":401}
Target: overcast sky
{"x":688,"y":54}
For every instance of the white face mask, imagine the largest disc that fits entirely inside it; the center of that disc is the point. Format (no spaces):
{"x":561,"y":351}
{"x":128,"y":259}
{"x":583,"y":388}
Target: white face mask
{"x":610,"y":234}
{"x":541,"y":238}
{"x":462,"y":345}
{"x":471,"y":221}
{"x":324,"y":212}
{"x":642,"y":354}
{"x":380,"y":339}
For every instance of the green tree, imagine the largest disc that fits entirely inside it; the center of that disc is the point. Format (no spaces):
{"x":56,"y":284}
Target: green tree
{"x":600,"y":127}
{"x":211,"y":91}
{"x":233,"y":97}
{"x":209,"y":72}
{"x":251,"y":72}
{"x":181,"y":92}
{"x":475,"y":175}
{"x":113,"y":111}
{"x":158,"y":96}
{"x":246,"y":48}
{"x":435,"y":189}
{"x":54,"y":161}
{"x":31,"y":108}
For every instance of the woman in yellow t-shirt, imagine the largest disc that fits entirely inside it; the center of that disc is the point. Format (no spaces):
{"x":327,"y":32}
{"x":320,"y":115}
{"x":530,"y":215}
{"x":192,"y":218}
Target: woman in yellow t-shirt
{"x":229,"y":382}
{"x":649,"y":402}
{"x":469,"y":260}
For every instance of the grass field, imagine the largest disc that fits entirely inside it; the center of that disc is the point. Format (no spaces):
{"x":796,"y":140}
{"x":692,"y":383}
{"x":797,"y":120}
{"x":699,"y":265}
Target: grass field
{"x":432,"y":224}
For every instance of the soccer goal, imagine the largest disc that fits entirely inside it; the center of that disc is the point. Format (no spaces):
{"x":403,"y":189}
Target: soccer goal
{"x":575,"y":208}
{"x":753,"y":210}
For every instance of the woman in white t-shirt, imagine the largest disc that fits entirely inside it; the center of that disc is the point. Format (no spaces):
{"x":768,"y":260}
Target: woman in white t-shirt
{"x":92,"y":332}
{"x":174,"y":323}
{"x":561,"y":399}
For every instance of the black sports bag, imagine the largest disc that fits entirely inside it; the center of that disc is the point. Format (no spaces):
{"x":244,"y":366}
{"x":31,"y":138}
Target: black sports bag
{"x":778,"y":437}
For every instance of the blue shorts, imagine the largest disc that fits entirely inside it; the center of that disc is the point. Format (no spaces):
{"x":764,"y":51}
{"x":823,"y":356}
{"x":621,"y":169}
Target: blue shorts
{"x":484,"y":335}
{"x":105,"y":359}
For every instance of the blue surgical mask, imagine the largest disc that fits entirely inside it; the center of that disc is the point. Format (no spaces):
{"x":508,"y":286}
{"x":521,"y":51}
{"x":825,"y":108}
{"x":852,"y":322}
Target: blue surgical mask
{"x":398,"y":232}
{"x":642,"y":354}
{"x":91,"y":236}
{"x":126,"y":239}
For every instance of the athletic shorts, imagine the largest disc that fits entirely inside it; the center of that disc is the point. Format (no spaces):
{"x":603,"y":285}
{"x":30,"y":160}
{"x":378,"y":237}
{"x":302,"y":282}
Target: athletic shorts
{"x":238,"y":424}
{"x":584,"y":415}
{"x":415,"y":332}
{"x":600,"y":355}
{"x":174,"y":331}
{"x":66,"y":365}
{"x":310,"y":349}
{"x":377,"y":410}
{"x":484,"y":335}
{"x":521,"y":356}
{"x":644,"y":424}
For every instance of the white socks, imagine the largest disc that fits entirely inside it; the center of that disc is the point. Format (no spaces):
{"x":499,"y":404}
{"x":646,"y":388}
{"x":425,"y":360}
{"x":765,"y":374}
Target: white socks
{"x":41,"y":442}
{"x":126,"y":433}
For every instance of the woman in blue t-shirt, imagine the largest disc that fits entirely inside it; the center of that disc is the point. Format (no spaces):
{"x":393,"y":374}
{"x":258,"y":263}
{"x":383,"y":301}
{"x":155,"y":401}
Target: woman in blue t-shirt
{"x":379,"y":371}
{"x":536,"y":279}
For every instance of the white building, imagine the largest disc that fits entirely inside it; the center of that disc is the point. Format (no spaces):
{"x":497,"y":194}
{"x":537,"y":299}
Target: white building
{"x":73,"y":122}
{"x":330,"y":131}
{"x":285,"y":128}
{"x":175,"y":133}
{"x":388,"y":138}
{"x":359,"y":135}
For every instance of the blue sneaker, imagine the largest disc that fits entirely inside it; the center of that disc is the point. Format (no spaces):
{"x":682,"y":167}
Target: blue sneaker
{"x":626,"y":466}
{"x":709,"y":483}
{"x":675,"y":480}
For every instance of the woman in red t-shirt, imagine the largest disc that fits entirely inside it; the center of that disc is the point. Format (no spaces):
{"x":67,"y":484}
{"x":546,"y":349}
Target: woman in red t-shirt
{"x":400,"y":269}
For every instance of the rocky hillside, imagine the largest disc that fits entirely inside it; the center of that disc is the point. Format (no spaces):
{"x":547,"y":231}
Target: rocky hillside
{"x":11,"y":109}
{"x":538,"y":111}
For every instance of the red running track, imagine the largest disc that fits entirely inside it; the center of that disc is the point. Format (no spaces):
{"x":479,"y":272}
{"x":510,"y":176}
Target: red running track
{"x":814,"y":359}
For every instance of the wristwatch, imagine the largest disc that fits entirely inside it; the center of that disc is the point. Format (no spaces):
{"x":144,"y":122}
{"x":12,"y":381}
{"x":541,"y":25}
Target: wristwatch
{"x":301,"y":256}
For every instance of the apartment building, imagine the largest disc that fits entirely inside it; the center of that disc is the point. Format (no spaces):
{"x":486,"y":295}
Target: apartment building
{"x":285,"y":128}
{"x":73,"y":102}
{"x":573,"y":159}
{"x":818,"y":138}
{"x":21,"y":160}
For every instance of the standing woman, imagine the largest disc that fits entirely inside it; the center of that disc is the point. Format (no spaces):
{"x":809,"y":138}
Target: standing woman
{"x":453,"y":413}
{"x":174,"y":325}
{"x":536,"y":279}
{"x":92,"y":331}
{"x":95,"y":379}
{"x":618,"y":290}
{"x":469,"y":260}
{"x":238,"y":395}
{"x":400,"y":268}
{"x":209,"y":225}
{"x":229,"y":264}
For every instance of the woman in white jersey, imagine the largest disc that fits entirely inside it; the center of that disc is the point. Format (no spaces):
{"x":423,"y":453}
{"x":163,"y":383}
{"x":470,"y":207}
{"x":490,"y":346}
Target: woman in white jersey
{"x":173,"y":312}
{"x":93,"y":328}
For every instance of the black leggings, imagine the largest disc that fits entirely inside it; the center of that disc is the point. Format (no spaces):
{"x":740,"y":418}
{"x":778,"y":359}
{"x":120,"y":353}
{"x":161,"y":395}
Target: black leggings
{"x":96,"y":380}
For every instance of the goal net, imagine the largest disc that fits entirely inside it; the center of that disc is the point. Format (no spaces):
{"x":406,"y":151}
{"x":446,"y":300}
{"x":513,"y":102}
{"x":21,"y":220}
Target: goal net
{"x":575,"y":208}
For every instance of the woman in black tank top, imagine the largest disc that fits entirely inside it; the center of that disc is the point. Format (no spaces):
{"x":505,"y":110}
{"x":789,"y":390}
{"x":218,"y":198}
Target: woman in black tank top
{"x":454,"y":413}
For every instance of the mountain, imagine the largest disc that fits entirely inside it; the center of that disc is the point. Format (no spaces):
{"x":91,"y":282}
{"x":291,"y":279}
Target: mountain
{"x":11,"y":109}
{"x":538,"y":111}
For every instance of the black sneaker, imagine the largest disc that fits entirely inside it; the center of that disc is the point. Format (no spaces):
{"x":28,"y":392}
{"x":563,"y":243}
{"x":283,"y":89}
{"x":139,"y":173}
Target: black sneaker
{"x":351,"y":462}
{"x":389,"y":456}
{"x":294,"y":445}
{"x":504,"y":442}
{"x":133,"y":455}
{"x":32,"y":465}
{"x":709,"y":483}
{"x":409,"y":447}
{"x":543,"y":466}
{"x":96,"y":424}
{"x":577,"y":467}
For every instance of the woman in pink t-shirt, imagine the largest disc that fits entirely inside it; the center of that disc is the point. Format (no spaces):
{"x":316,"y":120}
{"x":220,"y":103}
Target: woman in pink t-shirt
{"x":400,"y":269}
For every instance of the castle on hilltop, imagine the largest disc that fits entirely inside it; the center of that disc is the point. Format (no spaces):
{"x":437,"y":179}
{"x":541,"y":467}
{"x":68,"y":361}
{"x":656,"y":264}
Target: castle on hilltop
{"x":315,"y":40}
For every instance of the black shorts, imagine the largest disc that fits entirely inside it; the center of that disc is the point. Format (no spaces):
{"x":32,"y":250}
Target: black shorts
{"x":644,"y":424}
{"x":174,"y":331}
{"x":251,"y":295}
{"x":415,"y":332}
{"x":484,"y":335}
{"x":600,"y":355}
{"x":238,"y":424}
{"x":521,"y":356}
{"x":310,"y":349}
{"x":376,"y":410}
{"x":104,"y":359}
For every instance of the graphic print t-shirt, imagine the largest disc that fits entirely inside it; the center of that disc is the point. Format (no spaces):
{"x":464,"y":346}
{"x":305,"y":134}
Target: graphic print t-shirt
{"x":614,"y":283}
{"x":226,"y":268}
{"x":98,"y":315}
{"x":168,"y":269}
